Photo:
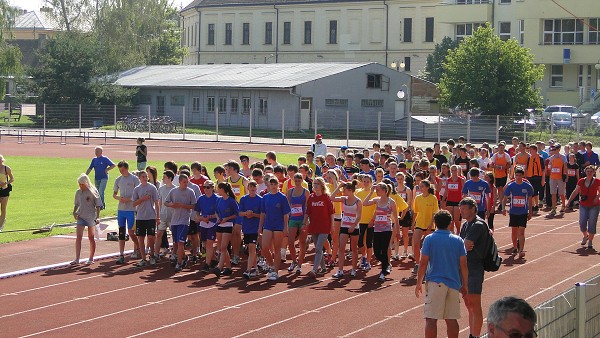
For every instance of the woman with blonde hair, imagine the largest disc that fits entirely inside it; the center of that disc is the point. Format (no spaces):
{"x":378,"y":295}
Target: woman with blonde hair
{"x":86,"y":212}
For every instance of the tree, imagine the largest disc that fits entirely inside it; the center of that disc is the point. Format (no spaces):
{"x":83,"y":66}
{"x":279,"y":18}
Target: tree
{"x":492,"y":75}
{"x":73,"y":14}
{"x":434,"y":67}
{"x":10,"y":56}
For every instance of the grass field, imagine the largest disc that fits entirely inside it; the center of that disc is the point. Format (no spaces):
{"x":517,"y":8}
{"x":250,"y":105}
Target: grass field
{"x":44,"y":189}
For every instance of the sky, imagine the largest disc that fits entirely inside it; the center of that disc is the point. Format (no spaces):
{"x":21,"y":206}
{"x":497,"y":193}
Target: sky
{"x":34,"y":5}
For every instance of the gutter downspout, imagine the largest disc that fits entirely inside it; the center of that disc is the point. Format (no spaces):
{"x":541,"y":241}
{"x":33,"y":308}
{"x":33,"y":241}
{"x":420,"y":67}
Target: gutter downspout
{"x":199,"y":33}
{"x":386,"y":31}
{"x":276,"y":33}
{"x":493,"y":12}
{"x":293,"y":93}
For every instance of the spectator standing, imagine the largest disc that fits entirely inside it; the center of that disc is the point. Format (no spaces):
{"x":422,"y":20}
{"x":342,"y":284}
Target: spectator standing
{"x":141,"y":152}
{"x":589,"y":205}
{"x":101,"y":165}
{"x":319,"y":148}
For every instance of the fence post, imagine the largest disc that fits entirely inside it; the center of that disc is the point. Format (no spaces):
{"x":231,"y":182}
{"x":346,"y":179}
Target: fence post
{"x":115,"y":119}
{"x":217,"y":124}
{"x":347,"y":128}
{"x":44,"y":120}
{"x":283,"y":126}
{"x":497,"y":129}
{"x":183,"y":122}
{"x":149,"y":123}
{"x":524,"y":130}
{"x":316,"y":132}
{"x":439,"y":127}
{"x":250,"y":124}
{"x":379,"y":127}
{"x":580,"y":310}
{"x":80,"y":119}
{"x":578,"y":128}
{"x":468,"y":127}
{"x":551,"y":126}
{"x":409,"y":128}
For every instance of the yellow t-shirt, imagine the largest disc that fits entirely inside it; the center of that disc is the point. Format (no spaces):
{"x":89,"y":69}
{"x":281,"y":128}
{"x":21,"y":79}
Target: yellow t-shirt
{"x":424,"y":208}
{"x":400,"y":203}
{"x":238,"y":187}
{"x":367,"y":211}
{"x":289,"y":184}
{"x":337,"y":206}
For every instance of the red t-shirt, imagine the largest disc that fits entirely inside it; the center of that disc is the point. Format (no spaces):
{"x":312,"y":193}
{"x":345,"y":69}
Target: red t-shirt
{"x":199,"y":182}
{"x":591,"y":192}
{"x":319,"y":210}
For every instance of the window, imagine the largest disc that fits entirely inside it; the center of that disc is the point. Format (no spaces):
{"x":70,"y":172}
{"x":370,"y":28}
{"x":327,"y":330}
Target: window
{"x":373,"y":80}
{"x":222,"y":104}
{"x":407,"y":30}
{"x":246,"y":105}
{"x":262,"y":106}
{"x":245,"y":33}
{"x":429,"y":24}
{"x":307,"y":32}
{"x":556,"y":76}
{"x":211,"y":33}
{"x":521,"y":31}
{"x":177,"y":100}
{"x":142,"y":99}
{"x":228,"y":33}
{"x":504,"y":31}
{"x":333,"y":32}
{"x":505,"y":1}
{"x":464,"y":30}
{"x":287,"y":33}
{"x":371,"y":103}
{"x":563,"y":32}
{"x":336,"y":102}
{"x":210,"y":104}
{"x":234,"y":105}
{"x":471,"y":2}
{"x":268,"y":33}
{"x":594,"y":34}
{"x":195,"y":104}
{"x":588,"y":82}
{"x":407,"y":63}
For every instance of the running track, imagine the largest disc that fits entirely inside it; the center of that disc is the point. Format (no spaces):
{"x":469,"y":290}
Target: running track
{"x":126,"y":301}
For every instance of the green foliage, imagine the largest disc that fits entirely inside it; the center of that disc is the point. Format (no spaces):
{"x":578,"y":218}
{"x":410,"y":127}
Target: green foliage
{"x":10,"y":56}
{"x":487,"y":73}
{"x":434,"y":68}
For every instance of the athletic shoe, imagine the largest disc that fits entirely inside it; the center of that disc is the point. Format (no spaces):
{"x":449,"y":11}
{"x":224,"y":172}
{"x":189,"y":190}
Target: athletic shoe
{"x":227,"y":272}
{"x":590,"y":245}
{"x":292,"y":266}
{"x":235,"y":260}
{"x":252,"y":274}
{"x":352,"y":273}
{"x":338,"y":274}
{"x":272,"y":276}
{"x":283,"y":254}
{"x":367,"y":267}
{"x":216,"y":271}
{"x":178,"y":268}
{"x":395,"y":257}
{"x":246,"y":275}
{"x":75,"y":262}
{"x":388,"y":270}
{"x":184,"y":262}
{"x":381,"y":277}
{"x":363,"y":262}
{"x":205,"y":268}
{"x":89,"y":262}
{"x":521,"y":254}
{"x":135,"y":255}
{"x":194,"y":259}
{"x":562,"y":210}
{"x":404,"y":255}
{"x":152,"y":260}
{"x":312,"y":274}
{"x":298,"y":268}
{"x":142,"y":263}
{"x":121,"y":260}
{"x":415,"y":269}
{"x":164,"y":252}
{"x":552,"y":212}
{"x":411,"y":256}
{"x":584,"y":240}
{"x":515,"y":251}
{"x":173,"y":258}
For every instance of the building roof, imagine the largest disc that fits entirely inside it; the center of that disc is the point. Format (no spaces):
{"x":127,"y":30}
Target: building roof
{"x":276,"y":76}
{"x":35,"y":20}
{"x":217,"y":3}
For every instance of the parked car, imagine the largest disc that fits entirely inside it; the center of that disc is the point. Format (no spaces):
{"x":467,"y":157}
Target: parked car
{"x":530,"y":122}
{"x":561,"y":108}
{"x":596,"y":118}
{"x":562,"y":120}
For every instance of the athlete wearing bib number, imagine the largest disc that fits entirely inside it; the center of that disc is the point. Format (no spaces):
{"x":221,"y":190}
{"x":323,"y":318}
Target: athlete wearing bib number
{"x":520,"y":193}
{"x":349,"y":229}
{"x":558,"y":176}
{"x":239,"y":187}
{"x":297,"y":196}
{"x":452,"y":196}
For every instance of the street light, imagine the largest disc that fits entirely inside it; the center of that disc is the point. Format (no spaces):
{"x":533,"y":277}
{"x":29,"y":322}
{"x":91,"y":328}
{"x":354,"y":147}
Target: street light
{"x":597,"y":66}
{"x":402,"y":94}
{"x":397,"y":65}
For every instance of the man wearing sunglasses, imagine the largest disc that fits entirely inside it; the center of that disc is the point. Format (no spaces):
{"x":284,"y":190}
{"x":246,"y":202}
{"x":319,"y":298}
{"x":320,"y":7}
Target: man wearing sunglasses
{"x":511,"y":317}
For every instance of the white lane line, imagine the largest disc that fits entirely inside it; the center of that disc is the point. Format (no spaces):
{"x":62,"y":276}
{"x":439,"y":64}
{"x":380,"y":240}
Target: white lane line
{"x":314,"y":310}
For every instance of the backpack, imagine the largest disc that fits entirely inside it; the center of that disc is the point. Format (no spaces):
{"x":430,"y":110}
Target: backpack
{"x":490,"y":259}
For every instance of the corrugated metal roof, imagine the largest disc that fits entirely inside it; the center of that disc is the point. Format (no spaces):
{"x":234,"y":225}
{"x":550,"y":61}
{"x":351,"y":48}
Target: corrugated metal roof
{"x":217,"y":3}
{"x":37,"y":20}
{"x":280,"y":75}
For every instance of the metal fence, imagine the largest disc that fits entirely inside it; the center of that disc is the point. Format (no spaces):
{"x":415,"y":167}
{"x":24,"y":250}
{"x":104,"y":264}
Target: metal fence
{"x":338,"y":127}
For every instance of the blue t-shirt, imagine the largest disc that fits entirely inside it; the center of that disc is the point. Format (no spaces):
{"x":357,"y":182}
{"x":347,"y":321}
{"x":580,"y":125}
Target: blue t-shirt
{"x":275,"y":206}
{"x":393,"y":179}
{"x":100,"y":164}
{"x":207,"y":206}
{"x":519,"y":197}
{"x":226,"y":208}
{"x":250,"y":225}
{"x":370,"y":172}
{"x":477,"y":191}
{"x":444,"y":250}
{"x":544,"y":155}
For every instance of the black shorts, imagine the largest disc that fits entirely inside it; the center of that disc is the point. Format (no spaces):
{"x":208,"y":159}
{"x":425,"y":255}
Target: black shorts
{"x":122,"y":232}
{"x":193,"y":229}
{"x":406,"y":222}
{"x":224,"y":230}
{"x":500,"y":182}
{"x":475,"y":281}
{"x":481,"y":214}
{"x":145,"y":227}
{"x":344,"y":231}
{"x":517,"y":221}
{"x":5,"y":192}
{"x":452,"y":204}
{"x":536,"y":183}
{"x":250,"y":239}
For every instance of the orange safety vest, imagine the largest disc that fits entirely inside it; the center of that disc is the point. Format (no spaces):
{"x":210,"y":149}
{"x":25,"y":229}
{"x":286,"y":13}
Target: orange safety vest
{"x":534,"y":166}
{"x":500,"y":161}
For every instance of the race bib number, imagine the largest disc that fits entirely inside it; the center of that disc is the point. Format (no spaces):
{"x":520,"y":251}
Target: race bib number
{"x":382,"y":219}
{"x":403,"y":195}
{"x":348,"y":220}
{"x":236,"y":189}
{"x":463,"y":166}
{"x":499,"y":167}
{"x":476,"y":196}
{"x":452,"y":186}
{"x":518,"y":201}
{"x":296,"y":210}
{"x":555,"y":170}
{"x":571,"y":172}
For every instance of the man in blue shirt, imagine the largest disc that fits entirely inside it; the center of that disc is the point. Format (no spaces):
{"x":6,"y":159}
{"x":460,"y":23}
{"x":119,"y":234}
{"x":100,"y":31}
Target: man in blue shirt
{"x":479,"y":190}
{"x":521,"y":210}
{"x":445,"y":258}
{"x":101,"y":165}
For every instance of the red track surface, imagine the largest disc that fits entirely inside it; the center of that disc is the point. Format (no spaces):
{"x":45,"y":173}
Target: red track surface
{"x":113,"y":301}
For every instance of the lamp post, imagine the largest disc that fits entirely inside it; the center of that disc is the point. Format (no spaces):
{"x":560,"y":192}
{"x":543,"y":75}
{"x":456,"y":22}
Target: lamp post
{"x":402,"y":94}
{"x":397,"y":64}
{"x":268,"y":57}
{"x":597,"y":66}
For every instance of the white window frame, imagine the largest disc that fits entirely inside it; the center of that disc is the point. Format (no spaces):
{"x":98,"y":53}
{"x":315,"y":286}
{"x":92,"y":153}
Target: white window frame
{"x":233,"y":108}
{"x":263,"y":106}
{"x":502,"y":33}
{"x":594,"y":35}
{"x":246,"y":105}
{"x":469,"y":28}
{"x":195,"y":104}
{"x":556,"y":76}
{"x":210,"y":104}
{"x":521,"y":32}
{"x":222,"y":104}
{"x":555,"y":33}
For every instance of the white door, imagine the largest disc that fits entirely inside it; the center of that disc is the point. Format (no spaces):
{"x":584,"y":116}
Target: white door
{"x":305,"y":104}
{"x":399,"y":109}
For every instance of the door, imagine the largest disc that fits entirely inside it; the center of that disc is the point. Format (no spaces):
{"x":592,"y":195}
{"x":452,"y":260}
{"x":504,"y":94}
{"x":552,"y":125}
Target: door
{"x":305,"y":105}
{"x":399,"y":110}
{"x":160,"y":105}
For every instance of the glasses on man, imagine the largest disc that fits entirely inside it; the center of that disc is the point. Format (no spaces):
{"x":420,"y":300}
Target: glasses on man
{"x":516,"y":334}
{"x":208,"y":187}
